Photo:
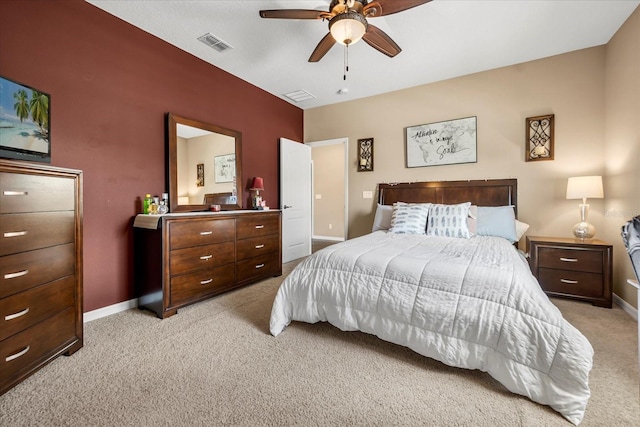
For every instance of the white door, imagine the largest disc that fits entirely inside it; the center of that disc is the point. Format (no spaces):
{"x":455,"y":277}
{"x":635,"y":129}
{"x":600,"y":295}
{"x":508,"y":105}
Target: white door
{"x":295,"y":199}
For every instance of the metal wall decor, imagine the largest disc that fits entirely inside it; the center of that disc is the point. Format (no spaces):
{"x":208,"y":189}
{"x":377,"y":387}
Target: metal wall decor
{"x":365,"y":155}
{"x":200,"y":175}
{"x":539,"y":142}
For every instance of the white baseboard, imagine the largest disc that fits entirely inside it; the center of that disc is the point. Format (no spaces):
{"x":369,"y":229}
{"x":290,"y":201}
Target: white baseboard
{"x":109,"y":310}
{"x":628,"y":308}
{"x":329,"y":238}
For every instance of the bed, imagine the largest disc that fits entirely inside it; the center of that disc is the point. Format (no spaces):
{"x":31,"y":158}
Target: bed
{"x":464,"y":296}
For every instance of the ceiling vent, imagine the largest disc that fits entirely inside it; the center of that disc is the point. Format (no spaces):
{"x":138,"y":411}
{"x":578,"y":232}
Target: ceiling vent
{"x":299,"y":95}
{"x":215,"y":42}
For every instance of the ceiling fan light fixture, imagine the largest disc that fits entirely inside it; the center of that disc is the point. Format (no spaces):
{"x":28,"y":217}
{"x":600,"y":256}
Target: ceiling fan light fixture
{"x":348,"y":27}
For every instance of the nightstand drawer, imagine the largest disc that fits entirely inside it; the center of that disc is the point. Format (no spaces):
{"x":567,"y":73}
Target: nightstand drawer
{"x":570,"y":282}
{"x":571,"y":259}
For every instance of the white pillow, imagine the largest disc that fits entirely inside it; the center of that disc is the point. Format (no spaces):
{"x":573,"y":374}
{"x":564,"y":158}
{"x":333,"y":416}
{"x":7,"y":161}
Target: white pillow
{"x":521,"y":228}
{"x":382,"y":220}
{"x":449,"y":220}
{"x":409,"y":218}
{"x":472,"y":220}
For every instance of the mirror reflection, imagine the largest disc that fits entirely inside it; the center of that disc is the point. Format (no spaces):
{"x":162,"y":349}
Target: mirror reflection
{"x":204,"y":165}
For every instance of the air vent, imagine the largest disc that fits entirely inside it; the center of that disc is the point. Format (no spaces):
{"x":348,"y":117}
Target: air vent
{"x":215,"y":42}
{"x":299,"y":95}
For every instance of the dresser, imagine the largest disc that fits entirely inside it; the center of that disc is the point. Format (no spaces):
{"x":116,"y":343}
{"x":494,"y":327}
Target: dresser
{"x":40,"y":267}
{"x":184,"y":258}
{"x":573,"y":268}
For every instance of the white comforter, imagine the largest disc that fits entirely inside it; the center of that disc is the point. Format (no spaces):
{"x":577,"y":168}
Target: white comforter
{"x":470,"y":303}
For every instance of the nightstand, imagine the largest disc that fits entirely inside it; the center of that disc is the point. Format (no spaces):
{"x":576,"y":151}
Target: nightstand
{"x":573,"y":268}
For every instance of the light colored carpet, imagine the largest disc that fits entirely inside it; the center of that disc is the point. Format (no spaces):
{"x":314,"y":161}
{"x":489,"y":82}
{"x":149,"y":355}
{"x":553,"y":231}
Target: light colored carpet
{"x":214,"y":363}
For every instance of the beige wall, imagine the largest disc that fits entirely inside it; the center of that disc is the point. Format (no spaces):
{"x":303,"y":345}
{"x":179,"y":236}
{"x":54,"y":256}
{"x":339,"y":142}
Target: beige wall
{"x":571,"y":86}
{"x":328,"y":181}
{"x":622,"y":152}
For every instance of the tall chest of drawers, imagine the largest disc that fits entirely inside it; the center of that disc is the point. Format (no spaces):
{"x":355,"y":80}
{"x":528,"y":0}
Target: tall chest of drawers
{"x":40,"y":267}
{"x":181,"y":259}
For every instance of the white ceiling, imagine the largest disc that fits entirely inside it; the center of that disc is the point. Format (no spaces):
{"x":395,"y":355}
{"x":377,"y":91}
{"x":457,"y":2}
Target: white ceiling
{"x":439,"y":40}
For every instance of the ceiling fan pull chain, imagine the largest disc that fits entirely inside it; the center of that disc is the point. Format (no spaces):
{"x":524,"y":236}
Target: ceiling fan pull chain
{"x":346,"y":61}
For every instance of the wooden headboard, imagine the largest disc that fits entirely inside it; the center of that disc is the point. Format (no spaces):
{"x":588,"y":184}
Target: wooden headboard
{"x":491,"y":192}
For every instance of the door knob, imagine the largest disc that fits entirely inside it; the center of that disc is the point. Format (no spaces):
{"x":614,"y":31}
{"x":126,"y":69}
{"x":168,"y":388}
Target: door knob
{"x":286,"y":207}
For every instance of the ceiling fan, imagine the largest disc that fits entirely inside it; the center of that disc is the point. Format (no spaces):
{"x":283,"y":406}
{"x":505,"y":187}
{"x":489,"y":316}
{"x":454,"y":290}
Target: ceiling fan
{"x":348,"y":23}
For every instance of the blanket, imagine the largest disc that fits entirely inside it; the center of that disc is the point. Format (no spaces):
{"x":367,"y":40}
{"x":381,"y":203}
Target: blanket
{"x":470,"y":303}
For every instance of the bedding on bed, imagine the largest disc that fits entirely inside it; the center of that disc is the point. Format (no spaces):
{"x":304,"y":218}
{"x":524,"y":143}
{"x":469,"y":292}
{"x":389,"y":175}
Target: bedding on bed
{"x":470,"y":303}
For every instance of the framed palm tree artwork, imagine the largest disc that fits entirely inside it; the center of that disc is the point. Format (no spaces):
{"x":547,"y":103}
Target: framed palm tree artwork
{"x":24,"y":122}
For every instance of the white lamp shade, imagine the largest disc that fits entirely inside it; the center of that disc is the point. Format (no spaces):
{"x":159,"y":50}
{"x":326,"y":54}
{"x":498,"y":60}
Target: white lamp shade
{"x":347,"y":28}
{"x":585,"y":187}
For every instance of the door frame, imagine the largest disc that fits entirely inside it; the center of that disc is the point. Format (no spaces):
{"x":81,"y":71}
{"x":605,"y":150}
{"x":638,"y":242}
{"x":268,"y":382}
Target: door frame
{"x":345,"y":143}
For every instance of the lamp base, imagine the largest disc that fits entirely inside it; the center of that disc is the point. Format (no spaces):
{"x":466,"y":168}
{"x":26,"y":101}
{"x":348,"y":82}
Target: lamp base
{"x":584,"y":230}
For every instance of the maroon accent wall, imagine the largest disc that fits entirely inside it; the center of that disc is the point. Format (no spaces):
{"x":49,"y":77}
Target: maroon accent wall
{"x":111,"y":85}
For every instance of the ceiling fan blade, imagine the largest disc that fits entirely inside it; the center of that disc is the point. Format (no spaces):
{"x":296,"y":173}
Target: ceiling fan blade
{"x":388,"y":7}
{"x":379,"y":40}
{"x":323,"y":47}
{"x":295,"y":14}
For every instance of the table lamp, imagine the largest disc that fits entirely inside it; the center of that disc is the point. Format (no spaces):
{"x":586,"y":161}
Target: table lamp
{"x":583,"y":187}
{"x":257,"y":185}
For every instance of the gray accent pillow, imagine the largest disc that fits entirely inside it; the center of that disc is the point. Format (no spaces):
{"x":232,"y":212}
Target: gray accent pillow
{"x":409,"y":218}
{"x":382,"y":220}
{"x":449,"y":220}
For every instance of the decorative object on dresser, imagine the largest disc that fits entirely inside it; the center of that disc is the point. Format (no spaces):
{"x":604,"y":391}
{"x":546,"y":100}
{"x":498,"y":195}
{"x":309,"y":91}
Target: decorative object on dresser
{"x":365,"y":155}
{"x":257,"y":185}
{"x":40,"y":267}
{"x":583,"y":187}
{"x":184,"y":258}
{"x":573,"y":268}
{"x":539,"y":140}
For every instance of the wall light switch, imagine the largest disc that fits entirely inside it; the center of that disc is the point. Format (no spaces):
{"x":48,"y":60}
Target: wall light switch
{"x":318,"y":196}
{"x":367,"y":194}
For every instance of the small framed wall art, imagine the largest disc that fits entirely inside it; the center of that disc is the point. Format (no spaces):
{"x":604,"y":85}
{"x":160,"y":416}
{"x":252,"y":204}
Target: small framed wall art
{"x":539,"y":142}
{"x":365,"y":155}
{"x":200,"y":175}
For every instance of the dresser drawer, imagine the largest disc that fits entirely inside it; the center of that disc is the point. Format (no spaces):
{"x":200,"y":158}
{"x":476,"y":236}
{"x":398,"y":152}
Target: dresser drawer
{"x":201,"y":257}
{"x":191,"y":287}
{"x":35,"y":193}
{"x":256,"y":246}
{"x":571,"y":282}
{"x":251,"y":225}
{"x":185,"y":234}
{"x":32,"y":347}
{"x":26,"y":232}
{"x":20,"y":311}
{"x":26,"y":270}
{"x":262,"y":266}
{"x":573,"y":259}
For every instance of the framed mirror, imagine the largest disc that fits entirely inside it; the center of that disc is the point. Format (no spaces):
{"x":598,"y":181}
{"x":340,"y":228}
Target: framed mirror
{"x":204,"y":165}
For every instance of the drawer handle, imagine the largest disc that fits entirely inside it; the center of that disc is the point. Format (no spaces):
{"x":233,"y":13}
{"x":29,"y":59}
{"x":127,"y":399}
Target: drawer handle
{"x":259,"y":266}
{"x":16,"y":315}
{"x":206,"y":233}
{"x":15,"y":233}
{"x":569,"y":259}
{"x":18,"y":354}
{"x":14,"y":193}
{"x":259,"y":226}
{"x":571,"y":282}
{"x":206,"y":257}
{"x":16,"y":274}
{"x":259,"y":246}
{"x":206,"y":282}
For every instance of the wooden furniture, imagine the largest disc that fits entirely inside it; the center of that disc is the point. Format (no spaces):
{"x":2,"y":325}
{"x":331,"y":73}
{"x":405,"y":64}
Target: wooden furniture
{"x":573,"y":268}
{"x":219,"y":199}
{"x":184,"y":258}
{"x":490,"y":192}
{"x":40,"y":267}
